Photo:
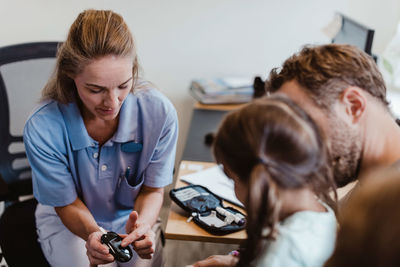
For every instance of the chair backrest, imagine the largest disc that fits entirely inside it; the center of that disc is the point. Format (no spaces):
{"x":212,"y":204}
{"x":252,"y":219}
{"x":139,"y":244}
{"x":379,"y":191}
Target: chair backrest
{"x":24,"y":70}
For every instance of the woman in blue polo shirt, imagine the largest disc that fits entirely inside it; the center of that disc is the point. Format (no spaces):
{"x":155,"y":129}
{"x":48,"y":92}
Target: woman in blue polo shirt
{"x":101,"y":145}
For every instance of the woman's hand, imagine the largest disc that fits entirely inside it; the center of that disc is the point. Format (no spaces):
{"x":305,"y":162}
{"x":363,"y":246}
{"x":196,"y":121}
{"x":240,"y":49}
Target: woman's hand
{"x":97,"y":252}
{"x":218,"y":261}
{"x":140,"y":236}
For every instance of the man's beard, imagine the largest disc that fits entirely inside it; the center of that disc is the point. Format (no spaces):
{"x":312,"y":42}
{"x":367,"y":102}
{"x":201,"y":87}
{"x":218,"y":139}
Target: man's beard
{"x":345,"y":150}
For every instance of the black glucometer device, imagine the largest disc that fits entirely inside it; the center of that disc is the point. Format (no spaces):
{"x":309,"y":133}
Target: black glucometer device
{"x":113,"y":241}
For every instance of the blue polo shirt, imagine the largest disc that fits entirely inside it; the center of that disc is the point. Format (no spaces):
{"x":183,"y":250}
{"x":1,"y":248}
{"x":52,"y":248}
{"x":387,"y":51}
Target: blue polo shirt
{"x":67,"y":163}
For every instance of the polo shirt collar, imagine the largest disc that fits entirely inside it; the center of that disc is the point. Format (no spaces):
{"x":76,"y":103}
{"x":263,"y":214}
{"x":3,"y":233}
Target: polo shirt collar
{"x":78,"y":134}
{"x":128,"y":120}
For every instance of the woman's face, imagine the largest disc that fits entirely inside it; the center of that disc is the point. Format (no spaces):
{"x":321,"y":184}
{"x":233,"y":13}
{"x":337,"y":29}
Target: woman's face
{"x":103,"y":86}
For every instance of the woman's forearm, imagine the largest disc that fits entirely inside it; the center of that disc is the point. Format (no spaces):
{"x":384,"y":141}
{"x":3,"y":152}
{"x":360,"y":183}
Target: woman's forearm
{"x":148,"y":204}
{"x":78,"y":219}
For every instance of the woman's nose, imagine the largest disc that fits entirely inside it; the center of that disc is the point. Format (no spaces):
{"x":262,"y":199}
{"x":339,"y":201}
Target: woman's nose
{"x":111,"y":99}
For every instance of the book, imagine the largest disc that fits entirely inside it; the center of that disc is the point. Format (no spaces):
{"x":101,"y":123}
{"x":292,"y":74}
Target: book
{"x":222,"y":90}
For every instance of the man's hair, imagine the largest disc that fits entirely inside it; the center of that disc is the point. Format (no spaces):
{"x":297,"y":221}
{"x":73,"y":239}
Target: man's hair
{"x":325,"y":71}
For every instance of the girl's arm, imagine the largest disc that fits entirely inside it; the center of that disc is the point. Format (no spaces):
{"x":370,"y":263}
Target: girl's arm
{"x":218,"y":261}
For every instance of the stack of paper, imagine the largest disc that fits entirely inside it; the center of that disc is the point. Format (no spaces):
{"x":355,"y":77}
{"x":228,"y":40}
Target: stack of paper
{"x":222,"y":90}
{"x":216,"y":181}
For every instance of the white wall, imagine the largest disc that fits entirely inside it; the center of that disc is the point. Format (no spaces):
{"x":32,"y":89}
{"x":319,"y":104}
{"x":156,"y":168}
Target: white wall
{"x":383,"y":16}
{"x":179,"y":40}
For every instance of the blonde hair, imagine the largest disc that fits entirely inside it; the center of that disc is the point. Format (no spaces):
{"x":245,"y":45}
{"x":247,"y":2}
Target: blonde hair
{"x":94,"y":34}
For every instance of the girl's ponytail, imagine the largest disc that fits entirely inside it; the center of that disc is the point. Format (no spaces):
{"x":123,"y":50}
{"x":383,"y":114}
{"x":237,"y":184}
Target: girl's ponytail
{"x":263,"y":208}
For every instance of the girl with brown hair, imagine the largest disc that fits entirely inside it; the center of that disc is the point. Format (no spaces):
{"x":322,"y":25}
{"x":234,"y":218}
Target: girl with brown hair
{"x":101,"y":145}
{"x":277,"y":158}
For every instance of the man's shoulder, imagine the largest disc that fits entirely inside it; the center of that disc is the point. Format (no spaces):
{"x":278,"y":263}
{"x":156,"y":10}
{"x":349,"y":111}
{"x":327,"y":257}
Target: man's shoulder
{"x":396,"y":165}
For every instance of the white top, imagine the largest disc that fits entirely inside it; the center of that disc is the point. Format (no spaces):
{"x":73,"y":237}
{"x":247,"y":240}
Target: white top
{"x":306,"y":238}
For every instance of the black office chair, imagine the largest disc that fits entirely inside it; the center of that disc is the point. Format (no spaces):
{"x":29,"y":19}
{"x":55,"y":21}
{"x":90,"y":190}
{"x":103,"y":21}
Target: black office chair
{"x":24,"y":69}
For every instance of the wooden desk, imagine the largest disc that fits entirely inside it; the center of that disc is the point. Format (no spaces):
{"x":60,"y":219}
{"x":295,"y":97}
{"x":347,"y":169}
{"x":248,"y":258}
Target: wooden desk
{"x":226,"y":107}
{"x":177,"y":226}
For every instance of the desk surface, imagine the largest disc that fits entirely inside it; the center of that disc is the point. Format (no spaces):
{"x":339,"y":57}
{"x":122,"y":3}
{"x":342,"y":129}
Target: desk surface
{"x":177,"y":226}
{"x":226,"y":107}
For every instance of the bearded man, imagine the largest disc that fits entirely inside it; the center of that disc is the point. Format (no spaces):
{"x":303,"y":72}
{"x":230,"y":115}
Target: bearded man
{"x":342,"y":89}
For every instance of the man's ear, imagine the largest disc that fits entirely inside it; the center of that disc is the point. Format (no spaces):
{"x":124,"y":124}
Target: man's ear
{"x":355,"y":102}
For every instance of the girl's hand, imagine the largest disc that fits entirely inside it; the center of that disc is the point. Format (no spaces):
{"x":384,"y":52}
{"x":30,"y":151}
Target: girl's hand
{"x":218,"y":261}
{"x":97,"y":252}
{"x":140,"y":236}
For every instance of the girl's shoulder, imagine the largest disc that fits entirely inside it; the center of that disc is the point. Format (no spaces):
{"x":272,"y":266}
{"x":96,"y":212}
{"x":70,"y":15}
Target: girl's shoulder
{"x":306,"y":220}
{"x":310,"y":235}
{"x":306,"y":238}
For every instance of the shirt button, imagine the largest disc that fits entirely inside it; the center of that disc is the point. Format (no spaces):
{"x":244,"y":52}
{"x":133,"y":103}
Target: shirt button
{"x":95,"y":155}
{"x":104,"y":167}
